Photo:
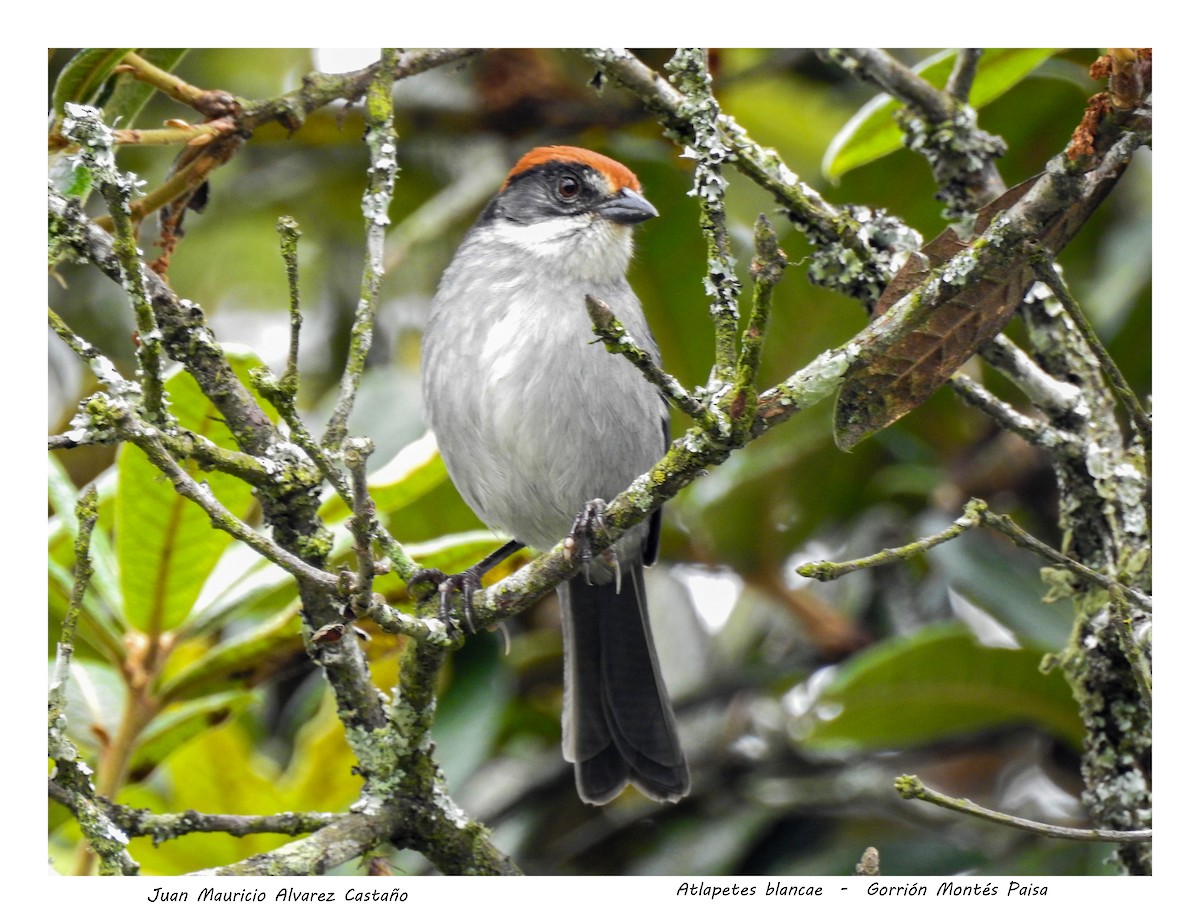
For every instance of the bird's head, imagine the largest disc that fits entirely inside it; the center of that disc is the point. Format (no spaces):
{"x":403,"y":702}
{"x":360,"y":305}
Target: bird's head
{"x":571,"y":205}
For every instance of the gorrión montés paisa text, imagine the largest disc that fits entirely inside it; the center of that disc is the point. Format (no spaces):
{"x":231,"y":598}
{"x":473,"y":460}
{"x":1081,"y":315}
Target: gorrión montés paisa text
{"x":959,"y":889}
{"x":703,"y":890}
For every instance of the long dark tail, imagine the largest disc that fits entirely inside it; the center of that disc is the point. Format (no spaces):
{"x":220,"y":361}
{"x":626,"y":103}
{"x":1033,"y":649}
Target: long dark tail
{"x":618,"y":727}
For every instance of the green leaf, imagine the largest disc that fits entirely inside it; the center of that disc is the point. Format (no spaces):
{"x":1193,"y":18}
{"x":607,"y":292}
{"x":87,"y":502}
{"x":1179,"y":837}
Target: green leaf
{"x":175,"y":727}
{"x":166,"y":545}
{"x":81,"y":80}
{"x":217,"y":771}
{"x":320,"y":774}
{"x":937,"y":684}
{"x":96,"y":695}
{"x":129,"y":95}
{"x":457,"y":552}
{"x":1004,"y":581}
{"x":242,"y":660}
{"x":872,"y":132}
{"x":471,"y":709}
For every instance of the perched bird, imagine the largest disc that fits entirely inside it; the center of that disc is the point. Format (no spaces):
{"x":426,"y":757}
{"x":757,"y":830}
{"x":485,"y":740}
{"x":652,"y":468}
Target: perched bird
{"x":534,"y":421}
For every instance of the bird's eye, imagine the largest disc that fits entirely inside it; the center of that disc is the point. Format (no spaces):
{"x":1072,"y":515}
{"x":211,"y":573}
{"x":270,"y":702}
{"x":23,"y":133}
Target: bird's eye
{"x":569,"y":187}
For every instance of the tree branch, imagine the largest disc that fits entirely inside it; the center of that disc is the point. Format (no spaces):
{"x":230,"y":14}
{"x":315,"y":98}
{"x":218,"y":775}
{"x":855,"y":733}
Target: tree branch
{"x":72,"y":783}
{"x":938,"y":125}
{"x":858,"y":249}
{"x":976,"y":513}
{"x":1043,"y":266}
{"x":911,"y":787}
{"x":381,"y":182}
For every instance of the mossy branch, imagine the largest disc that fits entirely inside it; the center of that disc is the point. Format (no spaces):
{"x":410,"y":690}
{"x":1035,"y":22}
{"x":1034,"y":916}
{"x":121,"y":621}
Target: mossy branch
{"x":72,"y":777}
{"x":875,"y":244}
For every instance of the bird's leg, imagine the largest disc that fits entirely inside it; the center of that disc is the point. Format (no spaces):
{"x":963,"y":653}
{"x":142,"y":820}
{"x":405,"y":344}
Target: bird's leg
{"x":465,"y":582}
{"x":580,"y":539}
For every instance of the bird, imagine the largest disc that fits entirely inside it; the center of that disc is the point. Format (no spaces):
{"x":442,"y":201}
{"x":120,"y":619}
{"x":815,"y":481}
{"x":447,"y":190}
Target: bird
{"x":538,"y":426}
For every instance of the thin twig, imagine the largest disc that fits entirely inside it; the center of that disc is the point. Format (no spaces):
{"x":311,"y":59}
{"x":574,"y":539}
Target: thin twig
{"x":381,"y":181}
{"x":975,"y":514}
{"x":167,"y":826}
{"x":289,"y":234}
{"x":911,"y":787}
{"x":83,"y":126}
{"x":688,"y":67}
{"x":86,"y":514}
{"x":897,"y":80}
{"x":617,"y":339}
{"x":74,"y":777}
{"x":1004,"y":524}
{"x":766,"y":271}
{"x":1044,"y":390}
{"x":829,"y":571}
{"x":362,"y":519}
{"x":963,"y":75}
{"x":1035,"y":432}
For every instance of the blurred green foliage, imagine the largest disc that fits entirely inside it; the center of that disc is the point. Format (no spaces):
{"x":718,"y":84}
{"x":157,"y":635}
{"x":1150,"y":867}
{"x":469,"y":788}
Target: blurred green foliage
{"x":770,"y":673}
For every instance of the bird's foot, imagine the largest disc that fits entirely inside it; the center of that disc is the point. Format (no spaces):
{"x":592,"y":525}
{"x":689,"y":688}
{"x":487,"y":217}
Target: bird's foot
{"x":467,"y":583}
{"x":580,"y":541}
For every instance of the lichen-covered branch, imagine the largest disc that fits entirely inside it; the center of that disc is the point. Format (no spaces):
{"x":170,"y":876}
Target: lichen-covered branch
{"x":377,"y":198}
{"x":1047,"y":273}
{"x":1105,"y":519}
{"x":1035,"y":432}
{"x":289,"y":241}
{"x":766,"y":271}
{"x":463,"y":851}
{"x":162,"y":827}
{"x":689,"y":71}
{"x":938,"y":125}
{"x":72,"y":779}
{"x":617,"y":339}
{"x":858,"y":249}
{"x":83,"y":126}
{"x":1042,"y":389}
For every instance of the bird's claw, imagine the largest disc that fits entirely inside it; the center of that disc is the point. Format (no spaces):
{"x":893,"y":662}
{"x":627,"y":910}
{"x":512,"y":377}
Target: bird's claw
{"x":467,"y":583}
{"x":580,"y":540}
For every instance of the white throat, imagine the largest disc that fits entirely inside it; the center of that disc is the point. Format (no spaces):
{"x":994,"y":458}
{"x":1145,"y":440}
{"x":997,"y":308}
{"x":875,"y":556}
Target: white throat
{"x":585,"y":246}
